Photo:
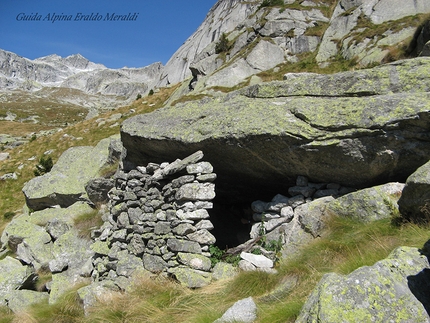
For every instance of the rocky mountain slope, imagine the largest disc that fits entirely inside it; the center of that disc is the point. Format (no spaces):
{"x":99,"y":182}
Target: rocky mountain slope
{"x":92,"y":86}
{"x":74,"y":72}
{"x":364,"y":31}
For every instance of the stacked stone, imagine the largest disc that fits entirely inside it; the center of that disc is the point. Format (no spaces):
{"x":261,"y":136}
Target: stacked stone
{"x":281,"y":209}
{"x":158,"y":220}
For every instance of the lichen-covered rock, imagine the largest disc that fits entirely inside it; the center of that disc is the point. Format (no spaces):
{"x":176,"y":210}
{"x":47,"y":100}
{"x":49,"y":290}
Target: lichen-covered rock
{"x":312,"y":215}
{"x":244,"y":311}
{"x":19,"y":300}
{"x":349,"y":128}
{"x":70,"y":256}
{"x":414,"y":203}
{"x":392,"y":290}
{"x":370,"y":204}
{"x":195,"y":261}
{"x":190,"y":277}
{"x":13,"y":275}
{"x":223,"y":270}
{"x":31,"y":243}
{"x":65,"y":183}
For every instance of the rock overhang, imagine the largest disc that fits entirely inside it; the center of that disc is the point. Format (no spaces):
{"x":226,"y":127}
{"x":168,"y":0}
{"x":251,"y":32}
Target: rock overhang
{"x":356,"y":128}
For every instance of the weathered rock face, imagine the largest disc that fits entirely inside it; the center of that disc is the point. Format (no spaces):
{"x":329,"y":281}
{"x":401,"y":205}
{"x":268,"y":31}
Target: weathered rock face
{"x":256,"y":33}
{"x":354,"y":128}
{"x":65,"y":183}
{"x":224,"y":17}
{"x":392,"y":290}
{"x":414,"y":204}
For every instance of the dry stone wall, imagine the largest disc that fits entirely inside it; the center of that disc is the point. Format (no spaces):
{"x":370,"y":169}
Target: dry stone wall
{"x":158,"y":220}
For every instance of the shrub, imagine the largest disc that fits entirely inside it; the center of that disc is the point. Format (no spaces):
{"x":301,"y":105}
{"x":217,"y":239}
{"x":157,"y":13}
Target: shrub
{"x":44,"y":166}
{"x":151,"y":92}
{"x":271,"y":3}
{"x":139,"y":96}
{"x":222,"y":46}
{"x":8,"y":215}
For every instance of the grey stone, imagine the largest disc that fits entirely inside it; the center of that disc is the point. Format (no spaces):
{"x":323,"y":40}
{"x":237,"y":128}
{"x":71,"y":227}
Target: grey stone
{"x":223,"y":271}
{"x":71,"y":254}
{"x":204,"y":224}
{"x":414,"y":202}
{"x":19,"y":300}
{"x":257,"y":58}
{"x":65,"y":183}
{"x":97,"y":189}
{"x":287,"y":212}
{"x":194,"y":261}
{"x":397,"y":285}
{"x":258,"y":261}
{"x":199,"y":214}
{"x":190,"y":277}
{"x":206,"y":177}
{"x":57,"y":228}
{"x":128,"y":264}
{"x":178,"y":182}
{"x":306,"y":191}
{"x":369,"y":204}
{"x":153,"y":263}
{"x":176,"y":245}
{"x":244,"y":311}
{"x":312,"y":215}
{"x":196,"y":191}
{"x":183,"y":229}
{"x":200,"y":168}
{"x":259,"y":206}
{"x":136,"y":245}
{"x":14,"y":276}
{"x":246,"y":265}
{"x":203,"y":237}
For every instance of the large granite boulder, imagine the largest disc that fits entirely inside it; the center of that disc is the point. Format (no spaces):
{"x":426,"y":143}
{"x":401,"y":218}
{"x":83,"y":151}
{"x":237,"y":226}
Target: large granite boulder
{"x":65,"y":183}
{"x":370,"y":204}
{"x":356,"y":128}
{"x":414,"y":204}
{"x":71,"y":264}
{"x":14,"y":275}
{"x":392,"y":290}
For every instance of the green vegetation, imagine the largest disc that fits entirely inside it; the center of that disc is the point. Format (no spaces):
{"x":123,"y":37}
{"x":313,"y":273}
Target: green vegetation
{"x":223,"y":45}
{"x":218,"y":255}
{"x":271,"y":3}
{"x":87,"y":222}
{"x":45,"y":165}
{"x":11,"y":197}
{"x":189,"y":97}
{"x":348,"y":245}
{"x":9,"y":215}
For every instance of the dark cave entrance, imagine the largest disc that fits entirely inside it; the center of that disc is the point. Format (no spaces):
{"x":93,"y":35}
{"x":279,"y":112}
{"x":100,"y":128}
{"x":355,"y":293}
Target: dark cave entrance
{"x":232,"y":215}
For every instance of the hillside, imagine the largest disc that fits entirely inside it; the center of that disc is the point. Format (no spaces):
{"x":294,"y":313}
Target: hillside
{"x":277,"y":173}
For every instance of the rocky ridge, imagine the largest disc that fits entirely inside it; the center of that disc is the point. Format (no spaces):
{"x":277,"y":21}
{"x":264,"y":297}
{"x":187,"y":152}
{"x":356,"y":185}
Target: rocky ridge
{"x":90,"y":85}
{"x":74,"y":72}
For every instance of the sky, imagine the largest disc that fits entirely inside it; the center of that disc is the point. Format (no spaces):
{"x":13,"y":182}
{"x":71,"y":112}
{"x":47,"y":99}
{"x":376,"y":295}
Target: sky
{"x":132,"y":33}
